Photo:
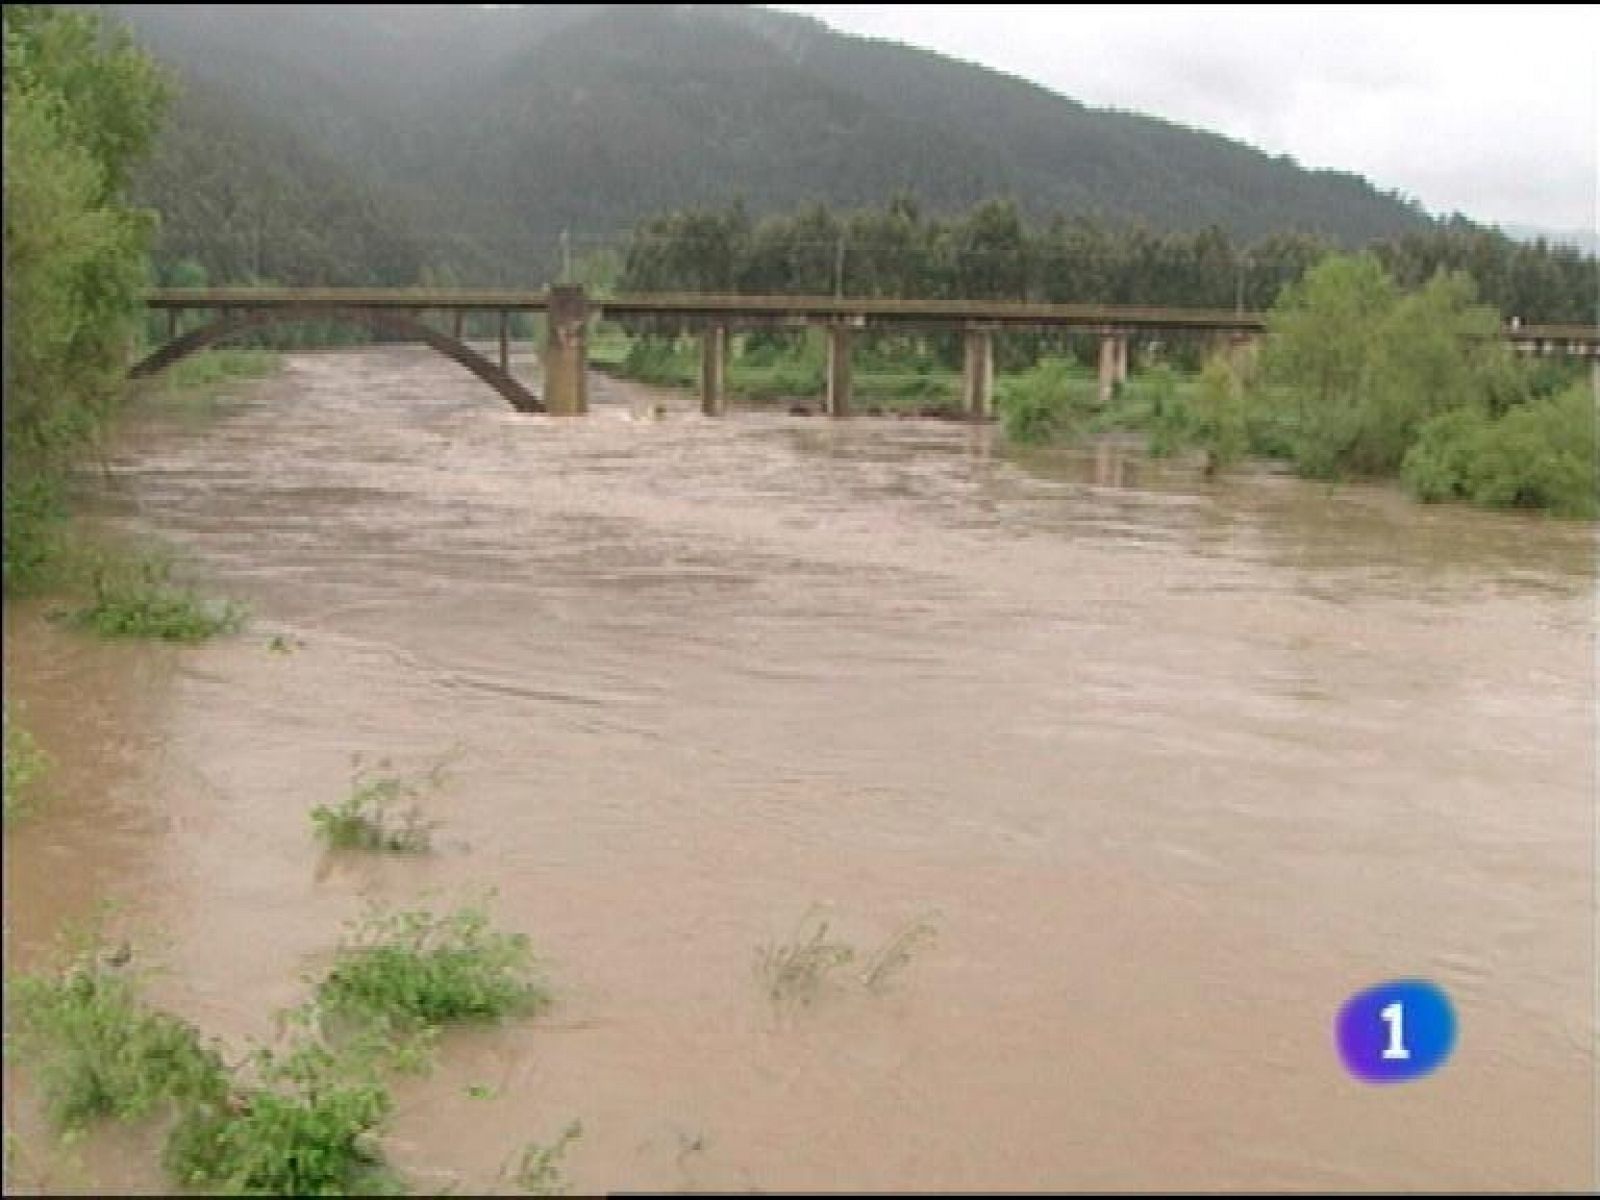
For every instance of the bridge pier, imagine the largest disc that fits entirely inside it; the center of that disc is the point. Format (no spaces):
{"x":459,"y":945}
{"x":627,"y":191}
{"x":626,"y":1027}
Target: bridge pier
{"x":566,"y":391}
{"x":714,"y":370}
{"x":838,"y":370}
{"x":505,"y":341}
{"x":1113,"y":364}
{"x":977,"y":382}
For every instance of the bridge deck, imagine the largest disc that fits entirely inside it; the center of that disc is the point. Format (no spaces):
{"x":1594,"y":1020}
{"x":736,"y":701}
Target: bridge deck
{"x":741,"y":309}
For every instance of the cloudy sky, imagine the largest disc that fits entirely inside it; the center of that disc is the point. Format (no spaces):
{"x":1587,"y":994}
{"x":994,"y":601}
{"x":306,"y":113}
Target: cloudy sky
{"x":1489,"y":111}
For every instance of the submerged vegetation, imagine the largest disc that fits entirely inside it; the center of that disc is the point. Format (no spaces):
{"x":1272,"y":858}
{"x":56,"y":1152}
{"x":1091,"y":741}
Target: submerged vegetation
{"x":368,"y":818}
{"x":301,"y":1115}
{"x":135,"y":596}
{"x":408,"y":969}
{"x":1358,"y":379}
{"x":97,"y":1050}
{"x":794,"y":972}
{"x":24,"y":764}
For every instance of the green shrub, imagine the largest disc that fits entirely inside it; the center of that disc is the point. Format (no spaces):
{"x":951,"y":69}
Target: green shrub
{"x":1219,"y":416}
{"x":304,"y":1127}
{"x":404,"y":969}
{"x":1049,"y":403}
{"x":24,"y":763}
{"x":35,"y":531}
{"x":132,"y":595}
{"x":97,"y":1050}
{"x":366,"y":819}
{"x":1541,"y":454}
{"x":1168,"y":420}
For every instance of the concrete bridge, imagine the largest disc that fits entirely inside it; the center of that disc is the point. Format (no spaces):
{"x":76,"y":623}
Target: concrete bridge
{"x":569,"y":311}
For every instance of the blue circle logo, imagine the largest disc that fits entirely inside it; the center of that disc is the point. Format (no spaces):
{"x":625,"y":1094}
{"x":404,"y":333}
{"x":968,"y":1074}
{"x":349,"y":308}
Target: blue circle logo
{"x":1396,"y":1031}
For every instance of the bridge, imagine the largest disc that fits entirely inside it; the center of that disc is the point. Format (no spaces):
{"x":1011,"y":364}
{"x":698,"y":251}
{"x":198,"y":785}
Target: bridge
{"x":402,"y":312}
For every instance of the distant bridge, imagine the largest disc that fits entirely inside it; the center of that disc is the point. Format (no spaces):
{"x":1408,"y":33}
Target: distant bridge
{"x":401,"y":311}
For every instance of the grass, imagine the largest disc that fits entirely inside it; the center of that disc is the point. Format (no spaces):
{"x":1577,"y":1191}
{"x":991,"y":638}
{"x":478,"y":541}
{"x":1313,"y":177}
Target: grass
{"x":133,"y":595}
{"x":793,"y":973}
{"x":399,"y":970}
{"x":367,"y":819}
{"x":24,"y":764}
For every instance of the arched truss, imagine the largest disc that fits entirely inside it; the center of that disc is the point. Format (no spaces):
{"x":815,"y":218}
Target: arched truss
{"x":401,"y":324}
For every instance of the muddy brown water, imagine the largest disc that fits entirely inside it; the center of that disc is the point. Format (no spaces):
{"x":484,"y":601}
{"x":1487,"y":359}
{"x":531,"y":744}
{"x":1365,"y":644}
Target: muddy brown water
{"x":1172,"y":768}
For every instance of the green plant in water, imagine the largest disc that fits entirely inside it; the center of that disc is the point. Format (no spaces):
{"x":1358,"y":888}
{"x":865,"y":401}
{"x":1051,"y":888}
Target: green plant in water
{"x":404,"y":969}
{"x":366,"y":819}
{"x":97,"y":1050}
{"x":134,"y":596}
{"x":794,"y":971}
{"x":24,"y":764}
{"x":538,"y":1170}
{"x":305,"y":1124}
{"x":1049,"y":403}
{"x":896,"y":953}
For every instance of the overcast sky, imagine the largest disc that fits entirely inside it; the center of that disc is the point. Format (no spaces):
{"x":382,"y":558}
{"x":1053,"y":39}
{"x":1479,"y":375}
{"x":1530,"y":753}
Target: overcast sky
{"x":1488,"y":111}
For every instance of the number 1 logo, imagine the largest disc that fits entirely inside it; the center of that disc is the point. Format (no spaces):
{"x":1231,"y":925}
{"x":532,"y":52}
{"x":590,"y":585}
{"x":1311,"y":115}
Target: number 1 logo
{"x":1396,"y":1031}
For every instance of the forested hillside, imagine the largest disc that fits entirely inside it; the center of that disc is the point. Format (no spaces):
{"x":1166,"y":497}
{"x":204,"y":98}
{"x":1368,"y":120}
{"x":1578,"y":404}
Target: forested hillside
{"x":475,"y":137}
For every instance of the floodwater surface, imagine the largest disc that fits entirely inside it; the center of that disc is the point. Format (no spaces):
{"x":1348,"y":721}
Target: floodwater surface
{"x":1168,"y":767}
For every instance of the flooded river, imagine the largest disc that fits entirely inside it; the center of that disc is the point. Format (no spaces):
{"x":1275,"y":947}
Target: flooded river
{"x":1170,"y":768}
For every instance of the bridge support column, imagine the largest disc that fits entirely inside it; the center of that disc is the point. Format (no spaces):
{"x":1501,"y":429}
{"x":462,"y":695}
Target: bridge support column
{"x":977,"y":382}
{"x":566,"y":390}
{"x":714,"y":370}
{"x":1240,"y":349}
{"x":505,"y":341}
{"x":838,"y":370}
{"x":1108,"y":367}
{"x":1122,"y":359}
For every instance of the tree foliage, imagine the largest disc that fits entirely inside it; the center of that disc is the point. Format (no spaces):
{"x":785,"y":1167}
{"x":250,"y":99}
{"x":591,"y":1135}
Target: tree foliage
{"x":81,"y":104}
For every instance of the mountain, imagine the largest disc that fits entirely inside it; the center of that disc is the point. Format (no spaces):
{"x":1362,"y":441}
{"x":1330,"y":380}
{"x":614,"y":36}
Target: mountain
{"x":469,"y":139}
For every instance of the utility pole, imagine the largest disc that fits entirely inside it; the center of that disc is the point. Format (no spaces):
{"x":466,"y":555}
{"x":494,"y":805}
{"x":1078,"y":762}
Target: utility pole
{"x":838,"y":268}
{"x":566,"y":257}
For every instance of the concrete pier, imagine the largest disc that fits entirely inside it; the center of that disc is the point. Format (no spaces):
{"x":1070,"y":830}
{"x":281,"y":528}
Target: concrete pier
{"x":977,"y":380}
{"x":714,"y":370}
{"x":1108,"y":367}
{"x":566,"y":391}
{"x":838,"y":370}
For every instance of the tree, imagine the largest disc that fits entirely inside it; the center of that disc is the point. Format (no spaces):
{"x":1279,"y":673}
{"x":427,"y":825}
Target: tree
{"x":80,"y":105}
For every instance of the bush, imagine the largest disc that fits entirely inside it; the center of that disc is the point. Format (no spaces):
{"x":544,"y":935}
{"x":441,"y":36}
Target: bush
{"x":305,"y":1128}
{"x":1364,"y":366}
{"x":97,"y":1050}
{"x":1537,"y":455}
{"x":413,"y":968}
{"x":1219,"y":417}
{"x":134,"y":596}
{"x":24,"y":763}
{"x":1049,"y":403}
{"x":366,"y":818}
{"x":1168,"y":421}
